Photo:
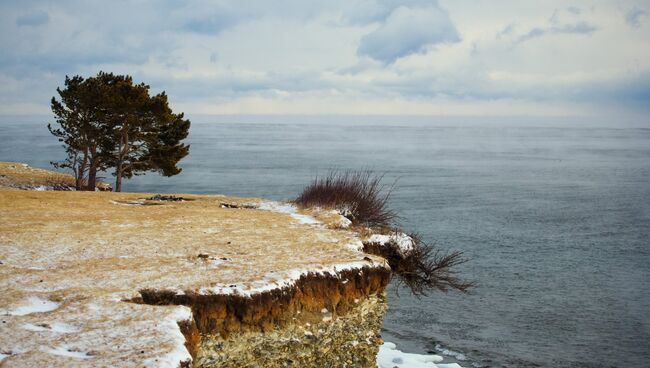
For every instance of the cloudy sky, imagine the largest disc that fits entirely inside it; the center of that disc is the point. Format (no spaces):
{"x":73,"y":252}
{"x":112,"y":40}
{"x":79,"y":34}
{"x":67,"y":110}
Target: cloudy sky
{"x":467,"y":57}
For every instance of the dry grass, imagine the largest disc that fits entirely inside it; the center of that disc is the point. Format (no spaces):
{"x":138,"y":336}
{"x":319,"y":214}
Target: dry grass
{"x":58,"y":181}
{"x":89,"y":250}
{"x":424,"y":268}
{"x":21,"y":176}
{"x":358,"y":195}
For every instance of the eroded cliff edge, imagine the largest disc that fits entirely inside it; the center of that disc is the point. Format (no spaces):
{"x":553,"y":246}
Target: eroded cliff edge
{"x":116,"y":279}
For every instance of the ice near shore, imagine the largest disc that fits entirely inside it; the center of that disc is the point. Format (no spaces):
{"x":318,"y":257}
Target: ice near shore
{"x":390,"y":357}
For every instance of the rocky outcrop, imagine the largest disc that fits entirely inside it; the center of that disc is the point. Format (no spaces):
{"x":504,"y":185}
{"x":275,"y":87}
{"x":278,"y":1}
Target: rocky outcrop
{"x":350,"y":339}
{"x":323,"y":320}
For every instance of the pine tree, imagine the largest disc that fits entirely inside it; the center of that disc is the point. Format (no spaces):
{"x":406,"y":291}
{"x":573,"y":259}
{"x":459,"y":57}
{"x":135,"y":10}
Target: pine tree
{"x":129,"y":130}
{"x":80,"y":129}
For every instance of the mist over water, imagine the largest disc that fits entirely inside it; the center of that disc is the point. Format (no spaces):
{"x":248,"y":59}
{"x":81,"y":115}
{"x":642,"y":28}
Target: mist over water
{"x":555,"y":219}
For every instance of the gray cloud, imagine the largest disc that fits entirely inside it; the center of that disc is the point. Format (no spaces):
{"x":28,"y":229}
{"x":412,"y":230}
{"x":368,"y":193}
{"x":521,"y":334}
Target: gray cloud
{"x":633,"y":17}
{"x":213,"y":21}
{"x":408,"y":30}
{"x":208,"y":25}
{"x":34,"y":18}
{"x":206,"y":52}
{"x":576,"y":28}
{"x":574,"y":10}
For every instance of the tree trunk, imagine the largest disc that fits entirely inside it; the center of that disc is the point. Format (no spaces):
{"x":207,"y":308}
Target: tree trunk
{"x":92,"y":170}
{"x":123,"y":151}
{"x":118,"y":178}
{"x":92,"y":177}
{"x":81,"y":171}
{"x":78,"y":179}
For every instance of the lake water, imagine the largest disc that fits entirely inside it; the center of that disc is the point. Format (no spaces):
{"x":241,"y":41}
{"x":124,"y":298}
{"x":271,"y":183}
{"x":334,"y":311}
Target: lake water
{"x":554,"y":217}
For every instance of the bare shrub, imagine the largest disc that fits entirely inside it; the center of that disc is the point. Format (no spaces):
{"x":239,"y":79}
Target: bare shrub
{"x":357,"y":195}
{"x":423,"y":268}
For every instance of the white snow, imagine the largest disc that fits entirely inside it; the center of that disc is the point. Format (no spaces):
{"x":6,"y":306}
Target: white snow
{"x":53,"y":327}
{"x":63,"y":351}
{"x":2,"y":356}
{"x":403,"y":241}
{"x":179,"y":353}
{"x":34,"y":305}
{"x":290,"y":210}
{"x":281,"y":280}
{"x":356,"y":245}
{"x":390,"y":357}
{"x":138,"y":202}
{"x":343,"y":222}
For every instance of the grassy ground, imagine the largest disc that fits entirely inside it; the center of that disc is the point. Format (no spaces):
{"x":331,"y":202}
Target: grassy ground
{"x":88,"y":251}
{"x":17,"y":175}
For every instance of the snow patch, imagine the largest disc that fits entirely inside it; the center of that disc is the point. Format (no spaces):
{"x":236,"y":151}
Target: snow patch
{"x":289,"y":209}
{"x":356,"y":245}
{"x":277,"y":281}
{"x":57,"y":327}
{"x":34,"y":305}
{"x":63,"y":351}
{"x":404,"y":242}
{"x":390,"y":357}
{"x":343,"y":222}
{"x":133,"y":202}
{"x":179,"y":353}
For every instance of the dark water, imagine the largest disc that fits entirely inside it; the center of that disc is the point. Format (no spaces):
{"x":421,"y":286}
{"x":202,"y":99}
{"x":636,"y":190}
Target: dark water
{"x":554,"y":216}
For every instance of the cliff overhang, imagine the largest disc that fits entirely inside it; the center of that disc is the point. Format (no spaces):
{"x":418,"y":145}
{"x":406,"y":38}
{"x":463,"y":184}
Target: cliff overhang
{"x":119,"y":279}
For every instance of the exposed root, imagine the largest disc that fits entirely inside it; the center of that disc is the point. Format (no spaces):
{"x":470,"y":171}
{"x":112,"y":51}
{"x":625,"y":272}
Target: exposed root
{"x":423,"y":268}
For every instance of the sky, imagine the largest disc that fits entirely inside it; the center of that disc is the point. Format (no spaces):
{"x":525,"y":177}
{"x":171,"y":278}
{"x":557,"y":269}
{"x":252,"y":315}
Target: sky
{"x":367,"y":57}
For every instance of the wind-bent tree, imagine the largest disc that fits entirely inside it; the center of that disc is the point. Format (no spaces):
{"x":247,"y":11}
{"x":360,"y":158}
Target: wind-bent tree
{"x":146,"y":134}
{"x":129,"y":130}
{"x":80,"y":129}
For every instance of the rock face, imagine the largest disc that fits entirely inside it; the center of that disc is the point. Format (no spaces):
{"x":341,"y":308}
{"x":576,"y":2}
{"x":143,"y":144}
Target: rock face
{"x":348,"y":340}
{"x":324,"y":320}
{"x":115,"y":279}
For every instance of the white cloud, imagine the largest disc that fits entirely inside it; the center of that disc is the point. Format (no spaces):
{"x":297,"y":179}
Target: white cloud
{"x":408,"y":30}
{"x":337,"y":56}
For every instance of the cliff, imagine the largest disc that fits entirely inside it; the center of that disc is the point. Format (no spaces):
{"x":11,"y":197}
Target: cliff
{"x":129,"y":279}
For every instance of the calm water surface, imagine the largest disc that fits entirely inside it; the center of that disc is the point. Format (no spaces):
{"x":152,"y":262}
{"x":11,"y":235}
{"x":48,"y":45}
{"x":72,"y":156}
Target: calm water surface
{"x":555,"y":219}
